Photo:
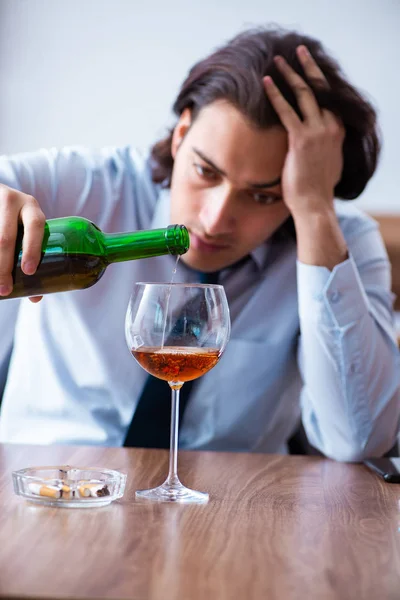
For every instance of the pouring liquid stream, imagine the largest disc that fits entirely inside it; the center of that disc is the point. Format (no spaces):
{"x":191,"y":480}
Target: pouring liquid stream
{"x":168,"y":297}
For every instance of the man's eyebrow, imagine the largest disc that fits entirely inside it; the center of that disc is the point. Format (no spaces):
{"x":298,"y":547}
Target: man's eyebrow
{"x":208,"y":161}
{"x":257,"y":186}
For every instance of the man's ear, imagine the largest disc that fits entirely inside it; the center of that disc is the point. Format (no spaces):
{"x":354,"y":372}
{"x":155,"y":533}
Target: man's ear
{"x":181,"y":128}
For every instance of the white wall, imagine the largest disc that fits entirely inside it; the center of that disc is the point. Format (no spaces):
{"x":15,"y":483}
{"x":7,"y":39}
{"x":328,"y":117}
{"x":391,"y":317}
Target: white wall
{"x":100,"y":72}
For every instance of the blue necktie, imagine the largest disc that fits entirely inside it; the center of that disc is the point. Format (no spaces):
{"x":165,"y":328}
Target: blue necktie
{"x":150,"y":424}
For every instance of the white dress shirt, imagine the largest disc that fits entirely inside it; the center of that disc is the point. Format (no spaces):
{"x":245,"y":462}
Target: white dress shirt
{"x":305,"y":341}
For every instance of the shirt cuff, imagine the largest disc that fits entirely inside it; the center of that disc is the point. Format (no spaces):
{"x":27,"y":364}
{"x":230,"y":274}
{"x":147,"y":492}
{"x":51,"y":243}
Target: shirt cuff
{"x":335,"y":297}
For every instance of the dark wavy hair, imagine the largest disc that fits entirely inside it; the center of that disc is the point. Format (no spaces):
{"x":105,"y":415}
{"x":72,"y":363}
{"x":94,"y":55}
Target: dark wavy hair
{"x":234,"y":73}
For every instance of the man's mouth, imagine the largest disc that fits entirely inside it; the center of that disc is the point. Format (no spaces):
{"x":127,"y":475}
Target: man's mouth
{"x":197,"y":242}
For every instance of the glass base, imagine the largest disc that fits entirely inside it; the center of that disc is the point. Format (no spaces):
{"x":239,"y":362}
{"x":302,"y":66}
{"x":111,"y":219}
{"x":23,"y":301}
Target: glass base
{"x":173,"y":493}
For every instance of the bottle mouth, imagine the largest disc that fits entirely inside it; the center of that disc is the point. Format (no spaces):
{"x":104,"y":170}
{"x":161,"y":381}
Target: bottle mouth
{"x":177,"y":239}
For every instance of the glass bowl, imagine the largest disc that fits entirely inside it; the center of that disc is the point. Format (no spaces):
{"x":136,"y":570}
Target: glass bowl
{"x":68,"y":486}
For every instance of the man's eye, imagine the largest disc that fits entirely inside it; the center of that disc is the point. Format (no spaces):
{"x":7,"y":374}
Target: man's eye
{"x":204,"y":172}
{"x":265,"y":199}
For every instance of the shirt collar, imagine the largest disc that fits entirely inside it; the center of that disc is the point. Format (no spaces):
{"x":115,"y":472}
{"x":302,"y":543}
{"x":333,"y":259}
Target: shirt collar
{"x":260,"y":255}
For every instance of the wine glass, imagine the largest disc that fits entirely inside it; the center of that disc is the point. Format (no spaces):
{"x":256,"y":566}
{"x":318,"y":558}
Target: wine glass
{"x":176,"y":332}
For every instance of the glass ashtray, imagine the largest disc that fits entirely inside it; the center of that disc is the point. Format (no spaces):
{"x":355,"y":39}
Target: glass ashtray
{"x":69,"y":486}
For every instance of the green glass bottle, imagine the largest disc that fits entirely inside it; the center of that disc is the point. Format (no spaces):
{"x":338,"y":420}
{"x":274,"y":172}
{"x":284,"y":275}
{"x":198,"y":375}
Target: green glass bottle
{"x":75,"y":254}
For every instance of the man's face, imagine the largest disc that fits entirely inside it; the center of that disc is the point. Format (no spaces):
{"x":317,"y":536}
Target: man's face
{"x":225,"y":185}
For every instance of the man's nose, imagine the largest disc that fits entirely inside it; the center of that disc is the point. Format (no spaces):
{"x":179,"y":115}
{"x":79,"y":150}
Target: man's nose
{"x":217,"y":214}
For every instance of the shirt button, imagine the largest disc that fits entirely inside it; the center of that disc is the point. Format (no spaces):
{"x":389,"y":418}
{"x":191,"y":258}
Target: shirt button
{"x":335,"y":297}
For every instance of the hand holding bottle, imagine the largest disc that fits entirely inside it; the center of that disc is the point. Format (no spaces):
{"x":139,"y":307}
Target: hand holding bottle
{"x":71,"y":253}
{"x":15,"y":208}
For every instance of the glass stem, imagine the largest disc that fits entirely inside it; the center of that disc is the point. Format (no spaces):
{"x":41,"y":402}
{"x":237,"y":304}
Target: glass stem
{"x":172,"y":478}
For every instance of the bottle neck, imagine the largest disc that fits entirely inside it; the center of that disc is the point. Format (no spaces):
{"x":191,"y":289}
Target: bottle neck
{"x":144,"y":244}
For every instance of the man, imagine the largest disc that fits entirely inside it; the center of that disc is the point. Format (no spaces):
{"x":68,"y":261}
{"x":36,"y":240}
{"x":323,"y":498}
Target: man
{"x":268,"y":133}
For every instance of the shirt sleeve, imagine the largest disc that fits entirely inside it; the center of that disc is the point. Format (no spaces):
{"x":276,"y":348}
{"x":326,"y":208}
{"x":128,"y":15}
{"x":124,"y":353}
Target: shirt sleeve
{"x":82,"y":181}
{"x":348,"y":355}
{"x":76,"y":181}
{"x":63,"y":182}
{"x":35,"y":173}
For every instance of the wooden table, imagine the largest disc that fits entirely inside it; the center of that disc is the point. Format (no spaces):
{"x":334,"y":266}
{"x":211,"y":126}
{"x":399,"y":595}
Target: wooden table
{"x":276,"y":527}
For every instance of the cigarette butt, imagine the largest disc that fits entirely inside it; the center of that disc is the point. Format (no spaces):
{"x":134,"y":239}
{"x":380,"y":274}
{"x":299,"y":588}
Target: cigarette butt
{"x":84,"y":491}
{"x":93,"y":489}
{"x":50,"y":491}
{"x":66,"y":491}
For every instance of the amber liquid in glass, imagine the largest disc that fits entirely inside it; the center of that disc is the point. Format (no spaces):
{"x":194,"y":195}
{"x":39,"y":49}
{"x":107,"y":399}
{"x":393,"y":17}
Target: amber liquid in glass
{"x":176,"y":364}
